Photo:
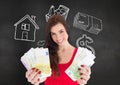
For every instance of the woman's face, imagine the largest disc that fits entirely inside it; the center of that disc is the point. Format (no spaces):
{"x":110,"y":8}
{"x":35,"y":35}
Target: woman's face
{"x":59,"y":34}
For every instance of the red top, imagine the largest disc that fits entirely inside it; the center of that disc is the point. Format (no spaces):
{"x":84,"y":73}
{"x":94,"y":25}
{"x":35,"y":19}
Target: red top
{"x":63,"y":78}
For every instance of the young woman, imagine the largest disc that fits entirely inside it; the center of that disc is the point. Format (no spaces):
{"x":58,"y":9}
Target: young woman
{"x":62,"y":54}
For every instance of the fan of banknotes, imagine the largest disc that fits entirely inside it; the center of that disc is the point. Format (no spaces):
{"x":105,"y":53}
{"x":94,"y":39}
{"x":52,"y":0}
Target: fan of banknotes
{"x":82,"y":57}
{"x":38,"y":58}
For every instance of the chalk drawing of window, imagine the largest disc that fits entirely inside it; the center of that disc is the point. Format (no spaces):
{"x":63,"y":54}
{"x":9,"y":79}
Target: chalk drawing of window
{"x":88,"y":23}
{"x":25,"y":28}
{"x":24,"y":35}
{"x":84,"y":41}
{"x":62,"y":10}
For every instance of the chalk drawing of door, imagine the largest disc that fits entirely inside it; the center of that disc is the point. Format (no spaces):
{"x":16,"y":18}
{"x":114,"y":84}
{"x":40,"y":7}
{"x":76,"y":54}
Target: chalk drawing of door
{"x":24,"y":35}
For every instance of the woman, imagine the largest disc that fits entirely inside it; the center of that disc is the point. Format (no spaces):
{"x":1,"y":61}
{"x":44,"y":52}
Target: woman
{"x":62,"y":54}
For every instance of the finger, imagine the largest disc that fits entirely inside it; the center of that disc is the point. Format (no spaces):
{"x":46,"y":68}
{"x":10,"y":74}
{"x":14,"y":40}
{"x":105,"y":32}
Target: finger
{"x":81,"y":81}
{"x":85,"y":77}
{"x":36,"y":78}
{"x":38,"y":82}
{"x":32,"y":75}
{"x":29,"y":72}
{"x":82,"y":68}
{"x":86,"y":68}
{"x":82,"y":71}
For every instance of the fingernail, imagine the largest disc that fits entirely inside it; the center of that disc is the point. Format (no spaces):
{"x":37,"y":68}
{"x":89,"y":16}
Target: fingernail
{"x":81,"y":73}
{"x":82,"y":65}
{"x":36,"y":70}
{"x":33,"y":68}
{"x":39,"y":72}
{"x":81,"y":78}
{"x":79,"y":68}
{"x":38,"y":79}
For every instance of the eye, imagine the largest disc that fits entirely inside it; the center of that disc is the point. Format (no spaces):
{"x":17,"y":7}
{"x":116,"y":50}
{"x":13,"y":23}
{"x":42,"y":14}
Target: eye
{"x":61,"y":31}
{"x":52,"y":34}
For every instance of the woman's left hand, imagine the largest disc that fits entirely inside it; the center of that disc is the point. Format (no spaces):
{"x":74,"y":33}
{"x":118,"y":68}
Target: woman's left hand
{"x":85,"y":73}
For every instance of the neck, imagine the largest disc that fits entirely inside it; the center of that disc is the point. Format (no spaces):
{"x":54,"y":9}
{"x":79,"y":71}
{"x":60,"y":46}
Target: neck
{"x":65,"y":47}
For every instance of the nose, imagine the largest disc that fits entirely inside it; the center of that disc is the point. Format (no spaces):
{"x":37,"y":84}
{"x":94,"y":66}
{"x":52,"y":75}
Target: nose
{"x":58,"y":37}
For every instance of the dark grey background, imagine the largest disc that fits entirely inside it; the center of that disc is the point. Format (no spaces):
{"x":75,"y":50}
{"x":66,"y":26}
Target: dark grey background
{"x":106,"y":44}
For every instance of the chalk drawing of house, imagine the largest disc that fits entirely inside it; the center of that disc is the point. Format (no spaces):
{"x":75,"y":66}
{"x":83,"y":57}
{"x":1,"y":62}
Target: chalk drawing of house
{"x":25,"y":28}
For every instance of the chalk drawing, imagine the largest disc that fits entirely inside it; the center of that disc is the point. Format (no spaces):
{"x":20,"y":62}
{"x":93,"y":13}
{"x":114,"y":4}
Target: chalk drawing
{"x":84,"y":41}
{"x":62,"y":10}
{"x":41,"y":43}
{"x":25,"y":28}
{"x":88,"y":23}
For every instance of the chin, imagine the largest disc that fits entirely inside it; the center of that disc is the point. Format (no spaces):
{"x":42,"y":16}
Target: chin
{"x":61,"y":44}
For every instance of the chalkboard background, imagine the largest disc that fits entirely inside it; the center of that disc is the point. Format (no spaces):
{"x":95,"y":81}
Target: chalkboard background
{"x":106,"y":70}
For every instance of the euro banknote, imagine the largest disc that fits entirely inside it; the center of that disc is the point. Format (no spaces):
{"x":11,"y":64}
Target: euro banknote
{"x":82,"y":57}
{"x":37,"y":58}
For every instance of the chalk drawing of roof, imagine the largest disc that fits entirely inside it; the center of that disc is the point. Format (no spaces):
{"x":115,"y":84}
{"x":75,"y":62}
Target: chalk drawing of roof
{"x":25,"y":28}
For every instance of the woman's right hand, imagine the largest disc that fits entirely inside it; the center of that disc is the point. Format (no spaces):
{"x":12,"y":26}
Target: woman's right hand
{"x":32,"y":76}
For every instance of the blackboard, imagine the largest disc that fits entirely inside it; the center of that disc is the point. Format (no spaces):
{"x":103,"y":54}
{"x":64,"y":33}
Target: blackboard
{"x":98,"y":23}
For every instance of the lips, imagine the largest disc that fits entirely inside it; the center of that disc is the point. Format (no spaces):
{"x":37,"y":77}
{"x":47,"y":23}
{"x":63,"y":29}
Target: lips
{"x":59,"y":41}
